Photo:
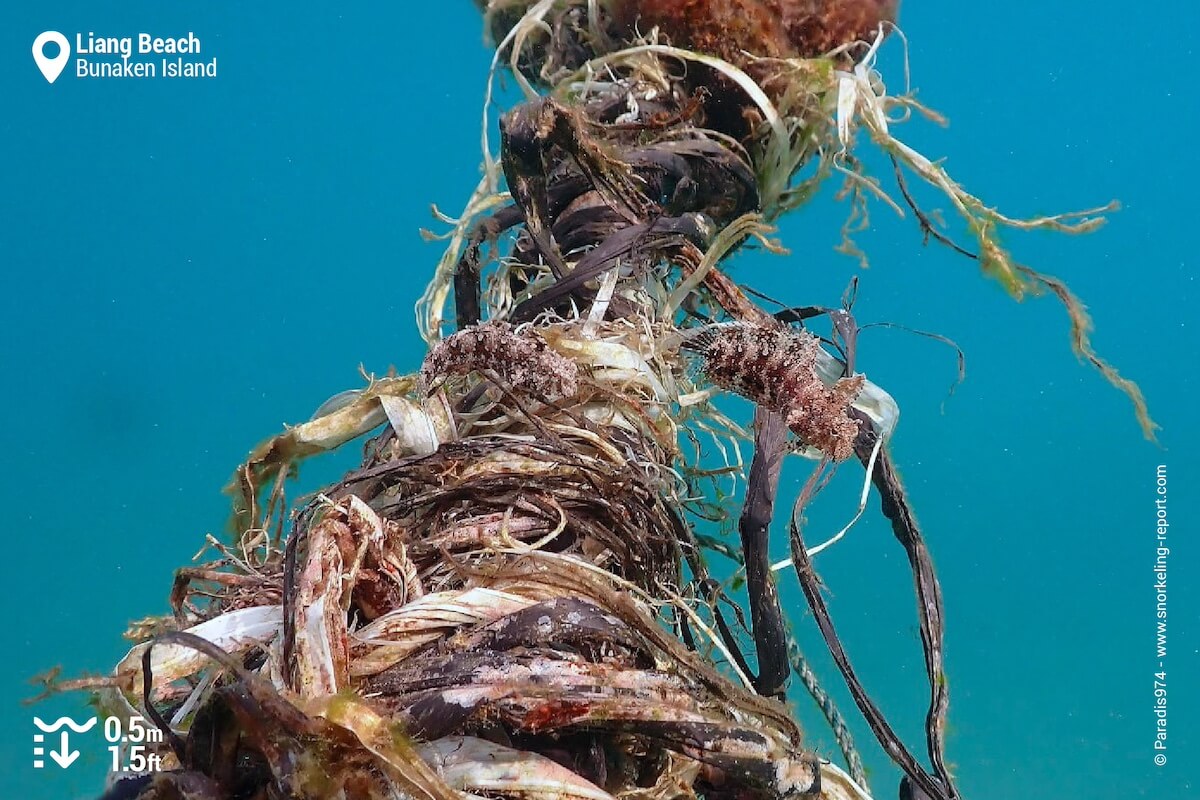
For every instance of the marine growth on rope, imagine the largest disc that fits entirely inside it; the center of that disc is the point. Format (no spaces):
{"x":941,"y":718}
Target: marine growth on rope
{"x":771,"y":28}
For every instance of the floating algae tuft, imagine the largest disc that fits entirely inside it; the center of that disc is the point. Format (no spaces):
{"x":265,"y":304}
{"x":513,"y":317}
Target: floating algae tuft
{"x":509,"y":597}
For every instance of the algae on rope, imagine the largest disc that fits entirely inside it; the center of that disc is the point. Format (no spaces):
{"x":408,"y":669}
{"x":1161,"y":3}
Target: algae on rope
{"x":512,"y":594}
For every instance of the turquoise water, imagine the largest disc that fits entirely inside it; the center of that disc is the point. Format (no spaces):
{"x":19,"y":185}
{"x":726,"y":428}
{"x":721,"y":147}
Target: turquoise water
{"x":190,"y":264}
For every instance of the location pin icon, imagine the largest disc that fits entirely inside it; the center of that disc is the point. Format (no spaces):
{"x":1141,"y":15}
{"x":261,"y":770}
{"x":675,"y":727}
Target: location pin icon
{"x":51,"y":67}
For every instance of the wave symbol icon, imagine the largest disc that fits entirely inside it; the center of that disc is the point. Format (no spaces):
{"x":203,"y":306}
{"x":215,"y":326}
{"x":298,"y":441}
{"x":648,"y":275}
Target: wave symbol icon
{"x":65,"y":721}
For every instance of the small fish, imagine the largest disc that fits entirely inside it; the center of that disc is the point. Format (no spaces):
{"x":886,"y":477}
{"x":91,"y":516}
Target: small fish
{"x":336,"y":403}
{"x":776,"y":368}
{"x":519,"y":356}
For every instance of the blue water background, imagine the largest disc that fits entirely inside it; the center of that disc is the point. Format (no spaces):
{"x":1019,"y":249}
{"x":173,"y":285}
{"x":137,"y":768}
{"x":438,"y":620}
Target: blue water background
{"x":188,"y":265}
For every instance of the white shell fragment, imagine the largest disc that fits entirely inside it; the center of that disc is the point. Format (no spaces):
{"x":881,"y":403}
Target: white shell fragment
{"x":485,"y":768}
{"x":399,"y":632}
{"x":233,"y":632}
{"x":416,"y":431}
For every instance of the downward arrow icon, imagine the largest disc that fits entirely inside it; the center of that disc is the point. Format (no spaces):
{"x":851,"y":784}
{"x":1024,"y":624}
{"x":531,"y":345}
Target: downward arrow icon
{"x":67,"y":757}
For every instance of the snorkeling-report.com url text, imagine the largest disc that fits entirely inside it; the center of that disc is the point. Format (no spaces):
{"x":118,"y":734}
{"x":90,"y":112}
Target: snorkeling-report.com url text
{"x":1162,"y":553}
